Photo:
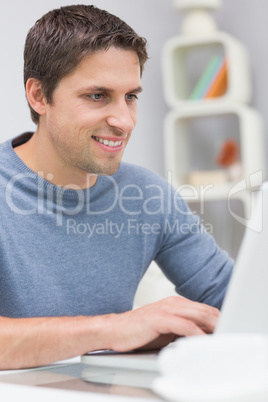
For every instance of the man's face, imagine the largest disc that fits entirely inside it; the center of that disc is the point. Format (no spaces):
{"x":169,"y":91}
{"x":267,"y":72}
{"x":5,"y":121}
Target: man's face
{"x":93,"y":112}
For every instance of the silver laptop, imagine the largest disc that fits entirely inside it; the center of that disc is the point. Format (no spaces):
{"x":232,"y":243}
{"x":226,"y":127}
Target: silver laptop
{"x":245,"y":307}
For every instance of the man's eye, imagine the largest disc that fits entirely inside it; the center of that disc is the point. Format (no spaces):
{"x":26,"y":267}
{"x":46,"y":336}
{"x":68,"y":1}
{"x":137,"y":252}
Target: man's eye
{"x":131,"y":97}
{"x":96,"y":97}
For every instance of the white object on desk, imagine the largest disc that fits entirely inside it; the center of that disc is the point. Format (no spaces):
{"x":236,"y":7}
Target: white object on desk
{"x":215,"y":368}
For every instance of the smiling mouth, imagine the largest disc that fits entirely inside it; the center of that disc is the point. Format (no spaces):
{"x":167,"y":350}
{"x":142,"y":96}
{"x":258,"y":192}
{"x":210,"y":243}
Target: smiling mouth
{"x":108,"y":143}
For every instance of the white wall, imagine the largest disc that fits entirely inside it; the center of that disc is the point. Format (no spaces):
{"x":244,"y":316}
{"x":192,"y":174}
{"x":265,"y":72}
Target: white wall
{"x":157,"y":21}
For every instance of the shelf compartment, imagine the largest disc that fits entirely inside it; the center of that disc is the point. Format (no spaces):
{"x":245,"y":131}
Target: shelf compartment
{"x":186,"y":58}
{"x":193,"y":137}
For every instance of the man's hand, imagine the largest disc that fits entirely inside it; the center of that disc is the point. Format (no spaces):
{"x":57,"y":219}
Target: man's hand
{"x":157,"y":324}
{"x":30,"y":342}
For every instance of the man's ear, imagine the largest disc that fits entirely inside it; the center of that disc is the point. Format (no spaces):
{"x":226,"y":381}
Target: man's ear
{"x":35,"y":96}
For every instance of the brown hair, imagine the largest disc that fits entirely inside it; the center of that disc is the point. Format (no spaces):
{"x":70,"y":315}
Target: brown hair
{"x":59,"y":40}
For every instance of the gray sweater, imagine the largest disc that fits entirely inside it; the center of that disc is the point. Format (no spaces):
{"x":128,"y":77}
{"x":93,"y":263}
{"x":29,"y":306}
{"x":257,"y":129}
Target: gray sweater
{"x":84,"y":252}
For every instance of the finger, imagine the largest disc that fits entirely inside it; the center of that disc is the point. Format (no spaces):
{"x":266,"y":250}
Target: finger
{"x":205,"y":316}
{"x":180,"y":326}
{"x":201,"y":317}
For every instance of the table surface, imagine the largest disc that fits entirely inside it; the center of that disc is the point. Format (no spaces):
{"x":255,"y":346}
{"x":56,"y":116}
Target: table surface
{"x":87,"y":378}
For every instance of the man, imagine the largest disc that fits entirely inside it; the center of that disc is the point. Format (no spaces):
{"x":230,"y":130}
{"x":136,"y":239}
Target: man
{"x":78,"y":229}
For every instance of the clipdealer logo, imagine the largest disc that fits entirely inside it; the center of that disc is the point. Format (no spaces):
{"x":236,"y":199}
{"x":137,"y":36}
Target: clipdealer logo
{"x":251,"y":193}
{"x":131,"y":199}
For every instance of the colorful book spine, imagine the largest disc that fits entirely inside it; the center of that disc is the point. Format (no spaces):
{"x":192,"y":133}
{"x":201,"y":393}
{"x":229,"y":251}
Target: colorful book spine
{"x":219,"y":84}
{"x":207,"y":78}
{"x":213,"y":82}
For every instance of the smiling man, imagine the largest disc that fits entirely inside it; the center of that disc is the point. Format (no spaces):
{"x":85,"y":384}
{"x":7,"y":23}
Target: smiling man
{"x":80,"y":228}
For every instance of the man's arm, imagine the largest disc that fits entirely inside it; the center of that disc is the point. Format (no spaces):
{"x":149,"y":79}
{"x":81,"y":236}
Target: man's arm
{"x":30,"y":342}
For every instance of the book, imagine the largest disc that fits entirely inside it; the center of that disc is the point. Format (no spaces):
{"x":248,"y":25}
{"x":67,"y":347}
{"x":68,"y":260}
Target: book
{"x":219,"y":85}
{"x":207,"y":78}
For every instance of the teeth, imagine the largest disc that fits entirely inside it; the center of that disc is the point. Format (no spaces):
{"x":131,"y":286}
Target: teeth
{"x":108,"y":143}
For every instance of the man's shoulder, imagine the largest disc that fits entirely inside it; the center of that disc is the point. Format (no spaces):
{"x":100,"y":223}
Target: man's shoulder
{"x":5,"y":153}
{"x":10,"y":163}
{"x":5,"y":145}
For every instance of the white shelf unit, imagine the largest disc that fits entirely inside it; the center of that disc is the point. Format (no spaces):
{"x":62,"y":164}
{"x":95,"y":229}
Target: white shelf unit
{"x":196,"y":128}
{"x":177,"y":144}
{"x":178,"y":152}
{"x":185,"y":58}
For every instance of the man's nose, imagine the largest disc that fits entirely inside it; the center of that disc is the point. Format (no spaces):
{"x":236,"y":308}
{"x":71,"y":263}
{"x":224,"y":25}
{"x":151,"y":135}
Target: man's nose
{"x":121,"y":117}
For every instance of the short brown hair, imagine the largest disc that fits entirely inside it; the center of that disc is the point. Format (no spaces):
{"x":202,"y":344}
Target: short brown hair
{"x":60,"y":39}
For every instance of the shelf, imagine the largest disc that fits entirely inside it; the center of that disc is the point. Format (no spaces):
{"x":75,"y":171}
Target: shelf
{"x":185,"y":59}
{"x":189,"y":149}
{"x":211,"y":192}
{"x":213,"y":142}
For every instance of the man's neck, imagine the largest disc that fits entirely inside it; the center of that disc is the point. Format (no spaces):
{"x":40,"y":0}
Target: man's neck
{"x":40,"y":159}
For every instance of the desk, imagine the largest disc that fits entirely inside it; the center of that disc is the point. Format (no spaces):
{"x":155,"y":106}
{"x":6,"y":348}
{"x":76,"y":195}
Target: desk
{"x":82,"y":378}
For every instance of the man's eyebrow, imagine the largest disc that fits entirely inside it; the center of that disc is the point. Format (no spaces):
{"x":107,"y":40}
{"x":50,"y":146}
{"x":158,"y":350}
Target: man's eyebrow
{"x":136,"y":90}
{"x":96,"y":88}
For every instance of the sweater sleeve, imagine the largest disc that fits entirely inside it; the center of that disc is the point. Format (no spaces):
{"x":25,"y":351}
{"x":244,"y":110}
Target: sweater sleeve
{"x":191,"y":259}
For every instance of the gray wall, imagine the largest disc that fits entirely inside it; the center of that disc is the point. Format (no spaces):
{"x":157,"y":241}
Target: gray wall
{"x":157,"y":21}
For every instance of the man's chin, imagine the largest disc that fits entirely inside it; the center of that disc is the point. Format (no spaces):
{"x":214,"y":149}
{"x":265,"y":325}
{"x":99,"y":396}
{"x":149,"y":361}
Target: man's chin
{"x":109,"y":170}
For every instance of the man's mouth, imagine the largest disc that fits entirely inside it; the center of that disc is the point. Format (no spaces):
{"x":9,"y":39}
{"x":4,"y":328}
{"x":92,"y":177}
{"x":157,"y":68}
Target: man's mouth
{"x":108,"y":143}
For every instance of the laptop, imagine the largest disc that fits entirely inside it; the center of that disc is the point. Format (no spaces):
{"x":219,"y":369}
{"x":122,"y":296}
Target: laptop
{"x":245,"y":305}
